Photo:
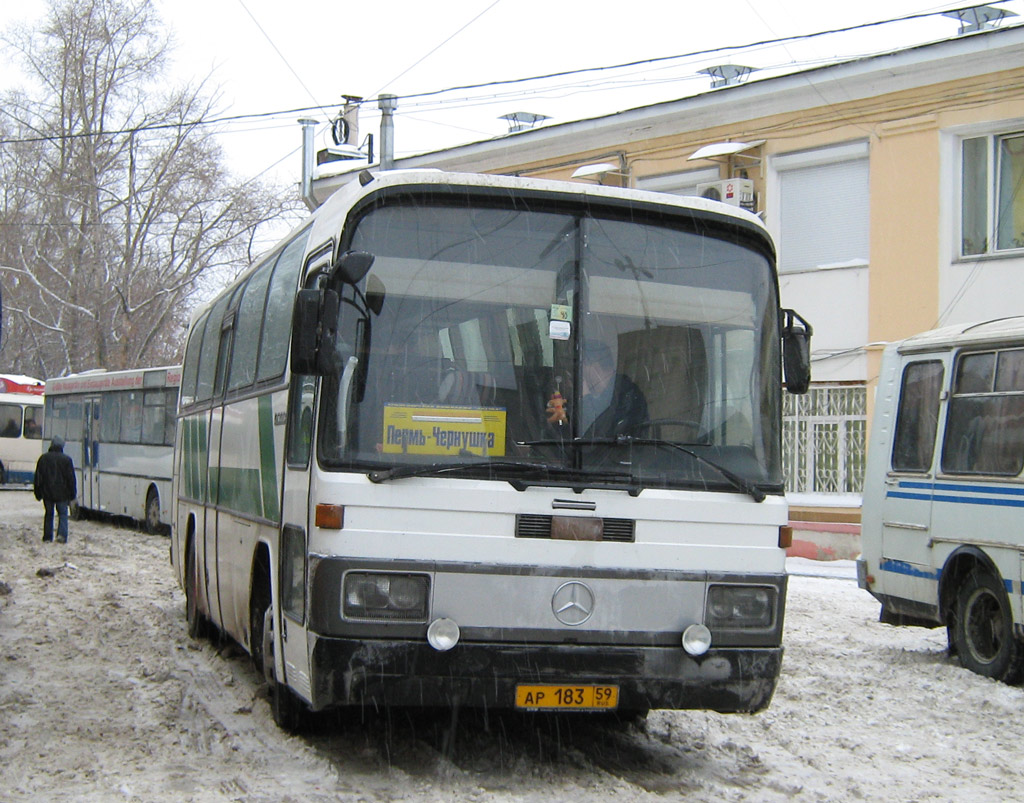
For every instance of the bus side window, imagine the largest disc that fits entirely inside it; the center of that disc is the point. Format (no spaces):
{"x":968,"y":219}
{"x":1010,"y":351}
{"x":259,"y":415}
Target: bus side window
{"x":247,"y":328}
{"x":985,"y":423}
{"x":209,"y":351}
{"x":10,"y":421}
{"x":33,"y":425}
{"x":917,"y":416}
{"x":277,"y":320}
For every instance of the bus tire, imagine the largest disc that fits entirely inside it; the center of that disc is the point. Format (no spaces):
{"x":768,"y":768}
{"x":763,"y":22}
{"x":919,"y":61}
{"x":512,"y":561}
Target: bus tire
{"x":982,"y":629}
{"x":3,"y":474}
{"x":152,"y":520}
{"x":289,"y":712}
{"x":198,"y":626}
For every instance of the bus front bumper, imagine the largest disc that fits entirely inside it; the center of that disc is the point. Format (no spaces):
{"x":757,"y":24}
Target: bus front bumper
{"x":380,"y":673}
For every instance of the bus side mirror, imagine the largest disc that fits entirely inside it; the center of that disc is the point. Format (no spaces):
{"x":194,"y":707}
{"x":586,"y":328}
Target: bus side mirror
{"x":315,"y":332}
{"x":796,"y":352}
{"x":352,"y":266}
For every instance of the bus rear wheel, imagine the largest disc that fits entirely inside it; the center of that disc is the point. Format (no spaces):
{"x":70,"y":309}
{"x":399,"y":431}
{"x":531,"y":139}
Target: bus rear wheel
{"x":198,"y":627}
{"x":982,"y":630}
{"x":152,"y":521}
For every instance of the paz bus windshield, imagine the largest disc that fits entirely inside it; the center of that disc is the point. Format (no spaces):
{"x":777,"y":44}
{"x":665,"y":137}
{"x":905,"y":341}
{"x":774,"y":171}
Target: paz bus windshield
{"x":554,"y":347}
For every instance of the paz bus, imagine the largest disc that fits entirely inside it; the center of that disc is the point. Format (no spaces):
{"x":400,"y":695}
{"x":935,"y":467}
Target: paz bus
{"x":118,"y":428}
{"x":386,"y":488}
{"x":942,"y":536}
{"x":21,"y":427}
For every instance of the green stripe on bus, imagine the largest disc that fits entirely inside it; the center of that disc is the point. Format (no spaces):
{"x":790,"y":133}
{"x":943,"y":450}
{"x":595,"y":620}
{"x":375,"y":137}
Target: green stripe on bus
{"x":240,"y":490}
{"x":268,"y":460}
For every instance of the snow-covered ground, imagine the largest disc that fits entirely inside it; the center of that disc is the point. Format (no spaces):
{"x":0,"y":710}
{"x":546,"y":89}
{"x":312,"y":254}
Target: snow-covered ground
{"x":104,"y":698}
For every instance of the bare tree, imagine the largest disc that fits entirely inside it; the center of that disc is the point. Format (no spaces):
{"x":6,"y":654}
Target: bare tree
{"x":115,"y":200}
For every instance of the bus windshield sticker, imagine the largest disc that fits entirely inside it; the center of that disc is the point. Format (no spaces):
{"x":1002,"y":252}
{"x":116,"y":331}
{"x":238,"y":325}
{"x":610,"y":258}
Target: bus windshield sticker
{"x":444,"y":430}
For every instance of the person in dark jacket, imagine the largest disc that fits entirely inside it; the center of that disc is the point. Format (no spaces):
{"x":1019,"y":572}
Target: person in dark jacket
{"x":55,"y":486}
{"x":611,"y":404}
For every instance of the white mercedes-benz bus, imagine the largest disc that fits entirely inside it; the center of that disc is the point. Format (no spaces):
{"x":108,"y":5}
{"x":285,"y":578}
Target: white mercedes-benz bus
{"x":488,"y":441}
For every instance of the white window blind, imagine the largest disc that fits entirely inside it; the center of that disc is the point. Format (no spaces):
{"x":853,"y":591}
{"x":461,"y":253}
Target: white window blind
{"x":823,"y":213}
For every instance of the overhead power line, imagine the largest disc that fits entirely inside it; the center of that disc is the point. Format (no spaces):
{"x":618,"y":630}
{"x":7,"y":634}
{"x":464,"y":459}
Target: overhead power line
{"x":488,"y":84}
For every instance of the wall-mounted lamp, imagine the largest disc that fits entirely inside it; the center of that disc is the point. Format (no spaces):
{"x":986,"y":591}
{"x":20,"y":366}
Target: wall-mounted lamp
{"x":597,"y":172}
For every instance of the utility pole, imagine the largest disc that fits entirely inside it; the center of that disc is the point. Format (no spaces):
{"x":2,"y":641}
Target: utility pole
{"x":387,"y":105}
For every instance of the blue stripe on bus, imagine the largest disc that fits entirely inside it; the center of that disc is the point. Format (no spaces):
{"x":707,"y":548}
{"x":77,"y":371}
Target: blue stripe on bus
{"x":977,"y":489}
{"x":908,"y":569}
{"x":911,"y":570}
{"x":940,"y":492}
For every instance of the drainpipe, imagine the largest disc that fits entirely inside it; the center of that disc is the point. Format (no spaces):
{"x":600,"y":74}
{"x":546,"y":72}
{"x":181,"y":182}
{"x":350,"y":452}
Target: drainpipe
{"x":387,"y":105}
{"x":308,"y":129}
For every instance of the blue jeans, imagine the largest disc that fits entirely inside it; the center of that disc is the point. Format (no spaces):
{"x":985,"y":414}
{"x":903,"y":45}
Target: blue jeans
{"x":62,"y":520}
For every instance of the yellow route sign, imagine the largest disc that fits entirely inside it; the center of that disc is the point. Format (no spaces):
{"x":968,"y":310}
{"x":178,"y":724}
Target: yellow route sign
{"x":444,"y":430}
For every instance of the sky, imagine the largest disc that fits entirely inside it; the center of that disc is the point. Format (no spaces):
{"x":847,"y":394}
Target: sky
{"x":286,"y":60}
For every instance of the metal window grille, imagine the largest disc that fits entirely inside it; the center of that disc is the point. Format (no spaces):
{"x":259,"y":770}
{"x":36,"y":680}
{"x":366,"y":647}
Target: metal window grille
{"x":824,"y":438}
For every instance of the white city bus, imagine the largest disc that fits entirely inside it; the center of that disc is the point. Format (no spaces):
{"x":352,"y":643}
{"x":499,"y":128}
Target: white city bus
{"x":370,"y":496}
{"x":942,"y":528}
{"x":118,"y":428}
{"x":21,"y":427}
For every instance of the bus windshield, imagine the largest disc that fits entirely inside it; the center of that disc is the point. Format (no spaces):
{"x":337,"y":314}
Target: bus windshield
{"x":556,"y":347}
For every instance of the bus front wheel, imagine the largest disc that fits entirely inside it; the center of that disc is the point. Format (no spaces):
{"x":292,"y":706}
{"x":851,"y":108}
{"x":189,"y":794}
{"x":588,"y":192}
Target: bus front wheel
{"x":290,"y":713}
{"x":982,"y":630}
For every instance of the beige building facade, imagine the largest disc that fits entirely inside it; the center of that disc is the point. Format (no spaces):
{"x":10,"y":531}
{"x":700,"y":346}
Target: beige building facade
{"x":892,"y":185}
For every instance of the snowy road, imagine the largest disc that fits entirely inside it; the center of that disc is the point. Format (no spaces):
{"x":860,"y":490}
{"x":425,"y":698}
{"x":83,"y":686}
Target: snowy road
{"x":104,"y":698}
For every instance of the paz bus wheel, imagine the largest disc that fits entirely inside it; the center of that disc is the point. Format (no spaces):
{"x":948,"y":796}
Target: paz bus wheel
{"x":290,"y":713}
{"x":983,"y":629}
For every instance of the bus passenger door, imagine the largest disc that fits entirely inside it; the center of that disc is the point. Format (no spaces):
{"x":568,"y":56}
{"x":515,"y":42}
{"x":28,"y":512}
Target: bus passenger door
{"x":89,"y":493}
{"x":909,"y":482}
{"x":294,"y":543}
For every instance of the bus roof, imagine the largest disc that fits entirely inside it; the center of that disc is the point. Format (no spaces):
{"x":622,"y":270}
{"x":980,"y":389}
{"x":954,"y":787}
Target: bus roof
{"x":999,"y":331}
{"x":97,"y":380}
{"x":17,"y":383}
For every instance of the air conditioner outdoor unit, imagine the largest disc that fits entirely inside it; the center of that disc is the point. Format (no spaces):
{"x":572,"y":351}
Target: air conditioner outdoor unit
{"x":732,"y":191}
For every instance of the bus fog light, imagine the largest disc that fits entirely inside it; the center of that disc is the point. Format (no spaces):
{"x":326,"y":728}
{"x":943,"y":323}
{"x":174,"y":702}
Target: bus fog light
{"x":443,"y":634}
{"x":696,"y":640}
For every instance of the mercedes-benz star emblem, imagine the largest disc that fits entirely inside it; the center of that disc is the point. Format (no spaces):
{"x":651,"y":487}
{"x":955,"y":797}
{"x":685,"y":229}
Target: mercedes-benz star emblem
{"x":572,"y":603}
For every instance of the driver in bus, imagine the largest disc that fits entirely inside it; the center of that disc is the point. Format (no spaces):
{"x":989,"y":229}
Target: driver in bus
{"x":611,"y":404}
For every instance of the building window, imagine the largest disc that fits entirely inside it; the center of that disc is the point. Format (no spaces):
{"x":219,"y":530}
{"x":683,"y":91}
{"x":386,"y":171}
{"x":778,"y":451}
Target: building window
{"x":824,"y":439}
{"x":992,"y":194}
{"x":823,"y":207}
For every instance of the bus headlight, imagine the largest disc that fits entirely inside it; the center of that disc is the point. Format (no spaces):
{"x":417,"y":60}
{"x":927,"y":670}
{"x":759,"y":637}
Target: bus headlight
{"x":371,"y":595}
{"x":735,"y":607}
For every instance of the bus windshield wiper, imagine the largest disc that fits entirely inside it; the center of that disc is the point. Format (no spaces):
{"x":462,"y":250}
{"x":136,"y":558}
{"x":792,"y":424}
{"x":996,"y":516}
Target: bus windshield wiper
{"x":397,"y":472}
{"x":738,"y":482}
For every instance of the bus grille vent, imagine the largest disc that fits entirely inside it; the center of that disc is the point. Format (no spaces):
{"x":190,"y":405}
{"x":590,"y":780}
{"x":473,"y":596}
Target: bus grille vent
{"x":537,"y":526}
